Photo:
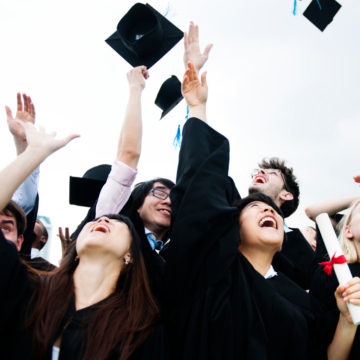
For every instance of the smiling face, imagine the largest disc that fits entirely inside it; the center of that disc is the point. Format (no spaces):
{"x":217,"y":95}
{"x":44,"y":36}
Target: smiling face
{"x":105,"y":236}
{"x":155,"y":212}
{"x":261,"y":228}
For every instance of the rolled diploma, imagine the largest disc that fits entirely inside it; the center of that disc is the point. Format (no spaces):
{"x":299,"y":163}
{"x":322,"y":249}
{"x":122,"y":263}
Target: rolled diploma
{"x":342,"y":271}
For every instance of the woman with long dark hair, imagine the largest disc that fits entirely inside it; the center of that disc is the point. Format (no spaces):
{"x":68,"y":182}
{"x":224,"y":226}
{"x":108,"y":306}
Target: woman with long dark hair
{"x":96,"y":305}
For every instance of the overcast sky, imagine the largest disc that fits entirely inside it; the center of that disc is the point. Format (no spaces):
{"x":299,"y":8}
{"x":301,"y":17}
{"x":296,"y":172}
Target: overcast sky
{"x":277,"y":87}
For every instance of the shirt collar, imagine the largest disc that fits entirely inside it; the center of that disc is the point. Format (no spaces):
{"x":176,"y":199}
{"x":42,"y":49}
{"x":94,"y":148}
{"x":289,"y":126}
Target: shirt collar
{"x":270,"y":273}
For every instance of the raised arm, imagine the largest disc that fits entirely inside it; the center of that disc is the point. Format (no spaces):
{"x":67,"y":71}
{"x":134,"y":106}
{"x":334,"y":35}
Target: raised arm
{"x":25,"y":195}
{"x":330,"y":207}
{"x":340,"y":347}
{"x":117,"y":188}
{"x":129,"y":146}
{"x":40,"y":146}
{"x":192,"y":51}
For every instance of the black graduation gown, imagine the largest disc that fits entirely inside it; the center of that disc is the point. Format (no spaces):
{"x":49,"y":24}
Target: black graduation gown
{"x":296,"y":258}
{"x":15,"y":341}
{"x":218,"y":306}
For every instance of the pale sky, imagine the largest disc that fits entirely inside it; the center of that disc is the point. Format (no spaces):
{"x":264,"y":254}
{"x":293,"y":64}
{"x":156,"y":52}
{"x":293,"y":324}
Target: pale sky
{"x":277,"y":87}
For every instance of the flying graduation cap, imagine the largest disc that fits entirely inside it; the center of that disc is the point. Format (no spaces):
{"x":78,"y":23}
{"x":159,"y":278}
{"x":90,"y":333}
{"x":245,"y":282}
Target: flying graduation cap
{"x":85,"y":190}
{"x":144,"y":36}
{"x":322,"y":12}
{"x":169,"y":95}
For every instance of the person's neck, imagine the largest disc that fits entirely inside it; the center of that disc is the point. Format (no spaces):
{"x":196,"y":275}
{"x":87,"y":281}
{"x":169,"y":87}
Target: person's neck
{"x":260,"y":260}
{"x":95,"y":280}
{"x":158,"y":233}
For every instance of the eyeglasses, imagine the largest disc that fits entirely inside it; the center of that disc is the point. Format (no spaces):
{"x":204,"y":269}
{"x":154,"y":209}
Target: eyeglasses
{"x":276,"y":172}
{"x":160,"y":194}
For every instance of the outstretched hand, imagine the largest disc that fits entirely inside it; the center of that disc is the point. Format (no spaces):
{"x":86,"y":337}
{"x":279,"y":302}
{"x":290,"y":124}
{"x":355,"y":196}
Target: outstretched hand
{"x":349,"y":293}
{"x":26,"y":113}
{"x":40,"y":140}
{"x":65,"y":239}
{"x":137,"y":76}
{"x":192,"y":51}
{"x":194,"y":91}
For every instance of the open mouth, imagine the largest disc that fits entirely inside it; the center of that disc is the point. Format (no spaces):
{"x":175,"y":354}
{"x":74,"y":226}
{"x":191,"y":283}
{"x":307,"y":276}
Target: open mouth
{"x":101,"y":228}
{"x":268,"y":221}
{"x":259,"y":180}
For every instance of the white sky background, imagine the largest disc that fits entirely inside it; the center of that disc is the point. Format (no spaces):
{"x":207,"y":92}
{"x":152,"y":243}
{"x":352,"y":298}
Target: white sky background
{"x":277,"y":87}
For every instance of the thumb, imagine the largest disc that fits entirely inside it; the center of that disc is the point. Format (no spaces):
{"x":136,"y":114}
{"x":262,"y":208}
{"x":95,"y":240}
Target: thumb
{"x":203,"y":78}
{"x":207,"y":49}
{"x":8,"y":113}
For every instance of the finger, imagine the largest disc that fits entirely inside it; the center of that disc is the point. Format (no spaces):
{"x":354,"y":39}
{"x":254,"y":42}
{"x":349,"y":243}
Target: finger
{"x":26,"y":103}
{"x":196,"y":33}
{"x":186,"y":39}
{"x":207,"y":50}
{"x":69,"y":138}
{"x":19,"y":102}
{"x":67,"y":233}
{"x":32,"y":112}
{"x":203,"y":78}
{"x":60,"y":234}
{"x":146,"y":74}
{"x":191,"y":31}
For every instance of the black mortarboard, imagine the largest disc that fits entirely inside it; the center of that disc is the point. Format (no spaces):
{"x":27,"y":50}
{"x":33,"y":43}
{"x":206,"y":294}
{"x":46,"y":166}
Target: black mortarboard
{"x":322,"y":12}
{"x":144,"y":36}
{"x":169,"y":95}
{"x":85,"y":190}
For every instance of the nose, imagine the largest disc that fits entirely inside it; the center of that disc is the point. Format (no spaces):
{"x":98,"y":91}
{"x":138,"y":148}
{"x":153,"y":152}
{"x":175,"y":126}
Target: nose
{"x":167,"y":201}
{"x":269,"y":209}
{"x":103,"y":218}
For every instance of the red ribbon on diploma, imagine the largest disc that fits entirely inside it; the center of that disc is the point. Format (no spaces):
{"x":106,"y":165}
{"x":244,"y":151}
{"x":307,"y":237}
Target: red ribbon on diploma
{"x":328,"y":265}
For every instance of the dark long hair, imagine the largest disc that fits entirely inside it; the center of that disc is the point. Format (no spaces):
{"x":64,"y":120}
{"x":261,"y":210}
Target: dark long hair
{"x":126,"y":317}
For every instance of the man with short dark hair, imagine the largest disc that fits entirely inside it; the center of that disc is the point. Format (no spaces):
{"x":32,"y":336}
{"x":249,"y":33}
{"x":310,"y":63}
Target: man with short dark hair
{"x":13,"y":223}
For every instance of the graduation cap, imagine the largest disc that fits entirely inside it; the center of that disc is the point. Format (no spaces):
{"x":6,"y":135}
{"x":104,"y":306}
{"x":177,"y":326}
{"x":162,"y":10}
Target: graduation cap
{"x":322,"y":12}
{"x":144,"y":36}
{"x":169,"y":95}
{"x":85,"y":190}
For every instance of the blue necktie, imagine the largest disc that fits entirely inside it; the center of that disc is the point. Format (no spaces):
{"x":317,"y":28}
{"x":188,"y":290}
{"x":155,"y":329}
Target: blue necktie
{"x":155,"y":244}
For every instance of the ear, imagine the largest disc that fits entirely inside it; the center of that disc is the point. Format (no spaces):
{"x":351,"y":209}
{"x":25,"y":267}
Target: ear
{"x":43,"y":240}
{"x":348,"y":234}
{"x":286,"y":195}
{"x":128,"y":258}
{"x":19,"y":242}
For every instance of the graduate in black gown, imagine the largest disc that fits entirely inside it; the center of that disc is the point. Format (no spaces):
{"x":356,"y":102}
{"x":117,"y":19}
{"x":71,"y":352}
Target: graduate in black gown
{"x":324,"y":285}
{"x":220,"y":306}
{"x":96,"y":305}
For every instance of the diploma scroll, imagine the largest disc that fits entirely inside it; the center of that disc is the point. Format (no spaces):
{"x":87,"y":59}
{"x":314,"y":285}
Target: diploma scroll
{"x":342,"y":271}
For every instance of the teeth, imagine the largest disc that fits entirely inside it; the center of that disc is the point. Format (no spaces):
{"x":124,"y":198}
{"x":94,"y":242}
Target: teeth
{"x":259,"y":180}
{"x":165,"y":211}
{"x":267,"y":220}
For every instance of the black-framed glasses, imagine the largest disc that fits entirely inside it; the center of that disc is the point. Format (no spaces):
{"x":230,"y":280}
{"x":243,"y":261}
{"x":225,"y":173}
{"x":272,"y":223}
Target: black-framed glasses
{"x":160,"y":194}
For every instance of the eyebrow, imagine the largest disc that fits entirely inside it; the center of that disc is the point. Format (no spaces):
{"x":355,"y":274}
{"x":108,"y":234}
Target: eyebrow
{"x":12,"y":222}
{"x":161,"y":187}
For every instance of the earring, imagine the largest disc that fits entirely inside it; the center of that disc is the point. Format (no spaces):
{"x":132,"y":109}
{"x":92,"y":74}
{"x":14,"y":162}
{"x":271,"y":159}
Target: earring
{"x":126,"y":261}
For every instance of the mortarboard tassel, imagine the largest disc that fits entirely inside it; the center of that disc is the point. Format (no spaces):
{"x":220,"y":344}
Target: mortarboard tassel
{"x":177,"y":138}
{"x":319,"y":4}
{"x":294,"y":10}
